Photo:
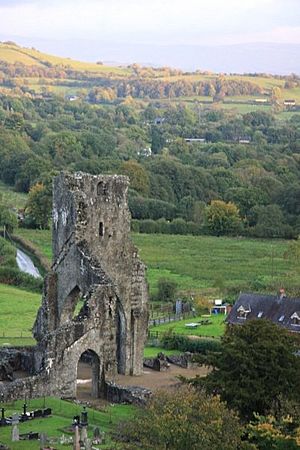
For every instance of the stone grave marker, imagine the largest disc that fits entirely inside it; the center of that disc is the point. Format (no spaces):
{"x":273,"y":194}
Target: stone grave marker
{"x":15,"y":435}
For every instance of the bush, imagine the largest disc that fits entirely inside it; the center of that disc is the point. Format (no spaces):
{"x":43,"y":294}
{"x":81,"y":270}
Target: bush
{"x":150,"y":208}
{"x":7,"y":254}
{"x":166,"y":290}
{"x":135,"y":226}
{"x":172,"y":341}
{"x":163,"y":226}
{"x":178,"y":226}
{"x":148,"y":226}
{"x":194,"y":228}
{"x":14,"y":277}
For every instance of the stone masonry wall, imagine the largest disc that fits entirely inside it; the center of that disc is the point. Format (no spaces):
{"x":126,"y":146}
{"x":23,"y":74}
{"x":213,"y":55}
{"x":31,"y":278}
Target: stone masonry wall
{"x":95,"y":296}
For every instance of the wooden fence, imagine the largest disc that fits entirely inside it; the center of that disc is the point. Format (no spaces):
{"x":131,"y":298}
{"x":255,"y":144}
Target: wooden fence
{"x":170,"y":318}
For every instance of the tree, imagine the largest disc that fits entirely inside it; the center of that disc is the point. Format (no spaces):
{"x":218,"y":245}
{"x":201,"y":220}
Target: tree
{"x":269,"y":222}
{"x":38,"y":206}
{"x":222,"y":218}
{"x":139,"y":178}
{"x":166,"y":289}
{"x":8,"y":219}
{"x":268,"y":432}
{"x":182,"y":419}
{"x":257,"y":367}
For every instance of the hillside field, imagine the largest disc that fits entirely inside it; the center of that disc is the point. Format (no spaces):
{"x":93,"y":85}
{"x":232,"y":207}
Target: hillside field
{"x":203,"y":262}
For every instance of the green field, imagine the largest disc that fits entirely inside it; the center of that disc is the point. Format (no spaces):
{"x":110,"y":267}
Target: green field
{"x":62,"y":414}
{"x":216,"y":329}
{"x":18,"y":311}
{"x":12,"y":198}
{"x":41,"y":239}
{"x":203,"y":262}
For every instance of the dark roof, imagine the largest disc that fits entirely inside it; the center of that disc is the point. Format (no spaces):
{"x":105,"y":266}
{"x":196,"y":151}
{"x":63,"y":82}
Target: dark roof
{"x":278,"y":309}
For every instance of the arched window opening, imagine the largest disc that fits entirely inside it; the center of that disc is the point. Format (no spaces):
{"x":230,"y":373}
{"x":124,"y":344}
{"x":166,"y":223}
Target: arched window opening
{"x":72,"y":305}
{"x":88,"y":375}
{"x":101,"y":188}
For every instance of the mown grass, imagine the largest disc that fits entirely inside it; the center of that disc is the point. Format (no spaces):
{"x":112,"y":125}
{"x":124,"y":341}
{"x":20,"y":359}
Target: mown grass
{"x":18,"y":311}
{"x":215,"y":329}
{"x":61,"y":419}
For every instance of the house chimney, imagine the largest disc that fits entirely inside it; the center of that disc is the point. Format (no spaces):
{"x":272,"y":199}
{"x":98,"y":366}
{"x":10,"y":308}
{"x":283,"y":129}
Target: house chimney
{"x":281,"y":294}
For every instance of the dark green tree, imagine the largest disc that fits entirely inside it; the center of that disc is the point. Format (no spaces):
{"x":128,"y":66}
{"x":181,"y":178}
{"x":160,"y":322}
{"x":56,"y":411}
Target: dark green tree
{"x":256,"y":368}
{"x":166,"y":289}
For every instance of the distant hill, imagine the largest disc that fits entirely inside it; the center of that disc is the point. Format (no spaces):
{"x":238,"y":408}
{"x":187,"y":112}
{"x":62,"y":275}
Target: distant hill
{"x":13,"y":53}
{"x":240,"y":58}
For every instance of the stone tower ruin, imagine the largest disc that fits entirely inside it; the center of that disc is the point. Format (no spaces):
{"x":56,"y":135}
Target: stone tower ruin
{"x":95,"y":297}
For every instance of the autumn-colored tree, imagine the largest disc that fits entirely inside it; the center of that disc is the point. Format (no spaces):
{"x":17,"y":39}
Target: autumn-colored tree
{"x":269,"y":432}
{"x":139,"y":178}
{"x":202,"y":304}
{"x":222,"y":218}
{"x":182,"y":419}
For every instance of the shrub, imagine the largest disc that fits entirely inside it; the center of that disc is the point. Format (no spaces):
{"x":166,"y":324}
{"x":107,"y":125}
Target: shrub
{"x":14,"y":277}
{"x":135,"y":225}
{"x":166,"y":290}
{"x":178,"y":226}
{"x":148,"y":226}
{"x":172,"y":341}
{"x":7,"y":254}
{"x":163,"y":226}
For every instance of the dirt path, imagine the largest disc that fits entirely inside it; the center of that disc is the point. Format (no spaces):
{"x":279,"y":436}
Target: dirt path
{"x":150,"y":379}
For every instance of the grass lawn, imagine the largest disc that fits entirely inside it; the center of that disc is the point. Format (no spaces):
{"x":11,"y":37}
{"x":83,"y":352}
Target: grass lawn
{"x":216,"y":329}
{"x":151,"y":352}
{"x":63,"y":413}
{"x":18,"y":312}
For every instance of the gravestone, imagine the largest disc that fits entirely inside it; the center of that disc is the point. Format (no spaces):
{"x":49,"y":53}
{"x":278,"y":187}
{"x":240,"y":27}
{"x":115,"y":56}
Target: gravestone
{"x":43,"y":440}
{"x":15,"y":436}
{"x":97,"y":436}
{"x":76,"y":442}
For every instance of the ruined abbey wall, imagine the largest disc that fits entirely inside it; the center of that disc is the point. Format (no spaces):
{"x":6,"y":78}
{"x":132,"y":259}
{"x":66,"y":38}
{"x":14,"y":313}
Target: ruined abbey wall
{"x":95,"y":297}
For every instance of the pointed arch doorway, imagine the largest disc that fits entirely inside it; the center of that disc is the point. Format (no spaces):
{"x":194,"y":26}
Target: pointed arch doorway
{"x":88,"y":375}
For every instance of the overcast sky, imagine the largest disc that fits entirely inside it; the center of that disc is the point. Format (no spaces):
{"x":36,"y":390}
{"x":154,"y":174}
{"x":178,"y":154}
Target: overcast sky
{"x":204,"y":22}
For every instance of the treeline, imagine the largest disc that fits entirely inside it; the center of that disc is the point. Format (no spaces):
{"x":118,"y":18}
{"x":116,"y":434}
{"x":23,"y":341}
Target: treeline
{"x":155,"y":89}
{"x":175,"y":180}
